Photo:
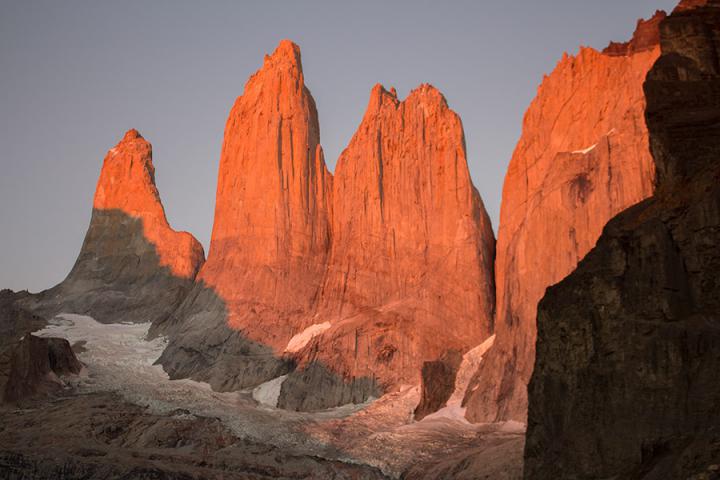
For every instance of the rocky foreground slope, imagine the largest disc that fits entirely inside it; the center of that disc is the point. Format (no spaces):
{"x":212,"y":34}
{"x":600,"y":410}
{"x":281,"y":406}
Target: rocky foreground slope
{"x":625,"y":382}
{"x":132,"y":265}
{"x":582,"y":158}
{"x":101,"y":436}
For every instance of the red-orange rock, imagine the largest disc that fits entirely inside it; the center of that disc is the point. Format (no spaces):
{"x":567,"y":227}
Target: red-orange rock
{"x":360,"y":279}
{"x":271,"y":233}
{"x":646,"y":37}
{"x":686,"y":5}
{"x":132,"y":267}
{"x":582,"y":158}
{"x":127,"y":184}
{"x":410,"y":270}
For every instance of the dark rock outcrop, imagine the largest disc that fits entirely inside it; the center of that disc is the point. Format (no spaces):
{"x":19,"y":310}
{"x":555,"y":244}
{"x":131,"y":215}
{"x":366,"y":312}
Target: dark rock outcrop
{"x":438,"y":383}
{"x":132,"y":265}
{"x":628,"y":352}
{"x":317,"y":387}
{"x":202,"y":346}
{"x":16,"y":321}
{"x":37,"y":365}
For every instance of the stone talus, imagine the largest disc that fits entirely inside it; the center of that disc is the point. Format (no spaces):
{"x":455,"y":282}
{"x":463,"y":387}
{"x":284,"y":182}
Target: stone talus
{"x":630,"y":341}
{"x":583,"y":157}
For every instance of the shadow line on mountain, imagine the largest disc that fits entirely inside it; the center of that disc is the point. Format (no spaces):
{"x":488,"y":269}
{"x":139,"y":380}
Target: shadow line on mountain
{"x":117,"y":277}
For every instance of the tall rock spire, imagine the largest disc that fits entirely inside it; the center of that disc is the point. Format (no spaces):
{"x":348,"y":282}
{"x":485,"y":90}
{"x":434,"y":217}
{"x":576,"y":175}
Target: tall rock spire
{"x":270,"y":239}
{"x":127,"y":184}
{"x":132,"y":266}
{"x":583,"y":157}
{"x":410,"y":270}
{"x":356,"y":280}
{"x":271,"y":232}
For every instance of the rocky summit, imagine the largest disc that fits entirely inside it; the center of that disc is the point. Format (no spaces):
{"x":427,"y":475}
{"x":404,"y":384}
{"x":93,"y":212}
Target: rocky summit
{"x":411,"y":255}
{"x":366,"y":323}
{"x":342,"y":282}
{"x":132,"y":265}
{"x":625,"y":382}
{"x":582,"y":158}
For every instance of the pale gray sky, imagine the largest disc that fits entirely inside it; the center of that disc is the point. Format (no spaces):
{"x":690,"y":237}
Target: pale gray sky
{"x":74,"y":75}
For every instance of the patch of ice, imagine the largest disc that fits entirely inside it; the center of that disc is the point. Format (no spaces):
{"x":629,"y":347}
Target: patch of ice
{"x":453,"y":409}
{"x":268,"y":393}
{"x":586,"y":150}
{"x":470,"y":363}
{"x":120,"y":359}
{"x":297,"y":342}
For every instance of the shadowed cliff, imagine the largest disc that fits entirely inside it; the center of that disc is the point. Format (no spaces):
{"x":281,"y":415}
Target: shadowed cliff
{"x":625,"y":382}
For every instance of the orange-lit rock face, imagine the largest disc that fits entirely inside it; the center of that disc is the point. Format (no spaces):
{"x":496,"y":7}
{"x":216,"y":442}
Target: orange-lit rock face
{"x":127,"y":184}
{"x":582,"y":158}
{"x":410,"y":271}
{"x":360,"y":278}
{"x":686,"y":5}
{"x":646,"y":37}
{"x":271,"y":232}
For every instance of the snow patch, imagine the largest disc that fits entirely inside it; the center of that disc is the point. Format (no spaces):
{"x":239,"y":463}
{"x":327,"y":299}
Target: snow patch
{"x":470,"y":363}
{"x":589,"y":149}
{"x":268,"y":393}
{"x":586,"y":150}
{"x":297,"y":342}
{"x":453,"y":409}
{"x":120,"y":359}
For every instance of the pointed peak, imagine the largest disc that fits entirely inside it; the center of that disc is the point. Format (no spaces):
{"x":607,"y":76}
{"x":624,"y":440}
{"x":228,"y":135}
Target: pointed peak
{"x":645,"y":37}
{"x":427,"y":93}
{"x":286,"y":52}
{"x":132,"y":141}
{"x":131,"y":134}
{"x":378,"y":96}
{"x":686,"y":5}
{"x":287,"y":47}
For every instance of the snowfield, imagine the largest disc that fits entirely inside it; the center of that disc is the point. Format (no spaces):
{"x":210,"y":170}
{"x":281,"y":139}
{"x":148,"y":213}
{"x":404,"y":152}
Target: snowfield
{"x":297,"y":342}
{"x":119,"y":359}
